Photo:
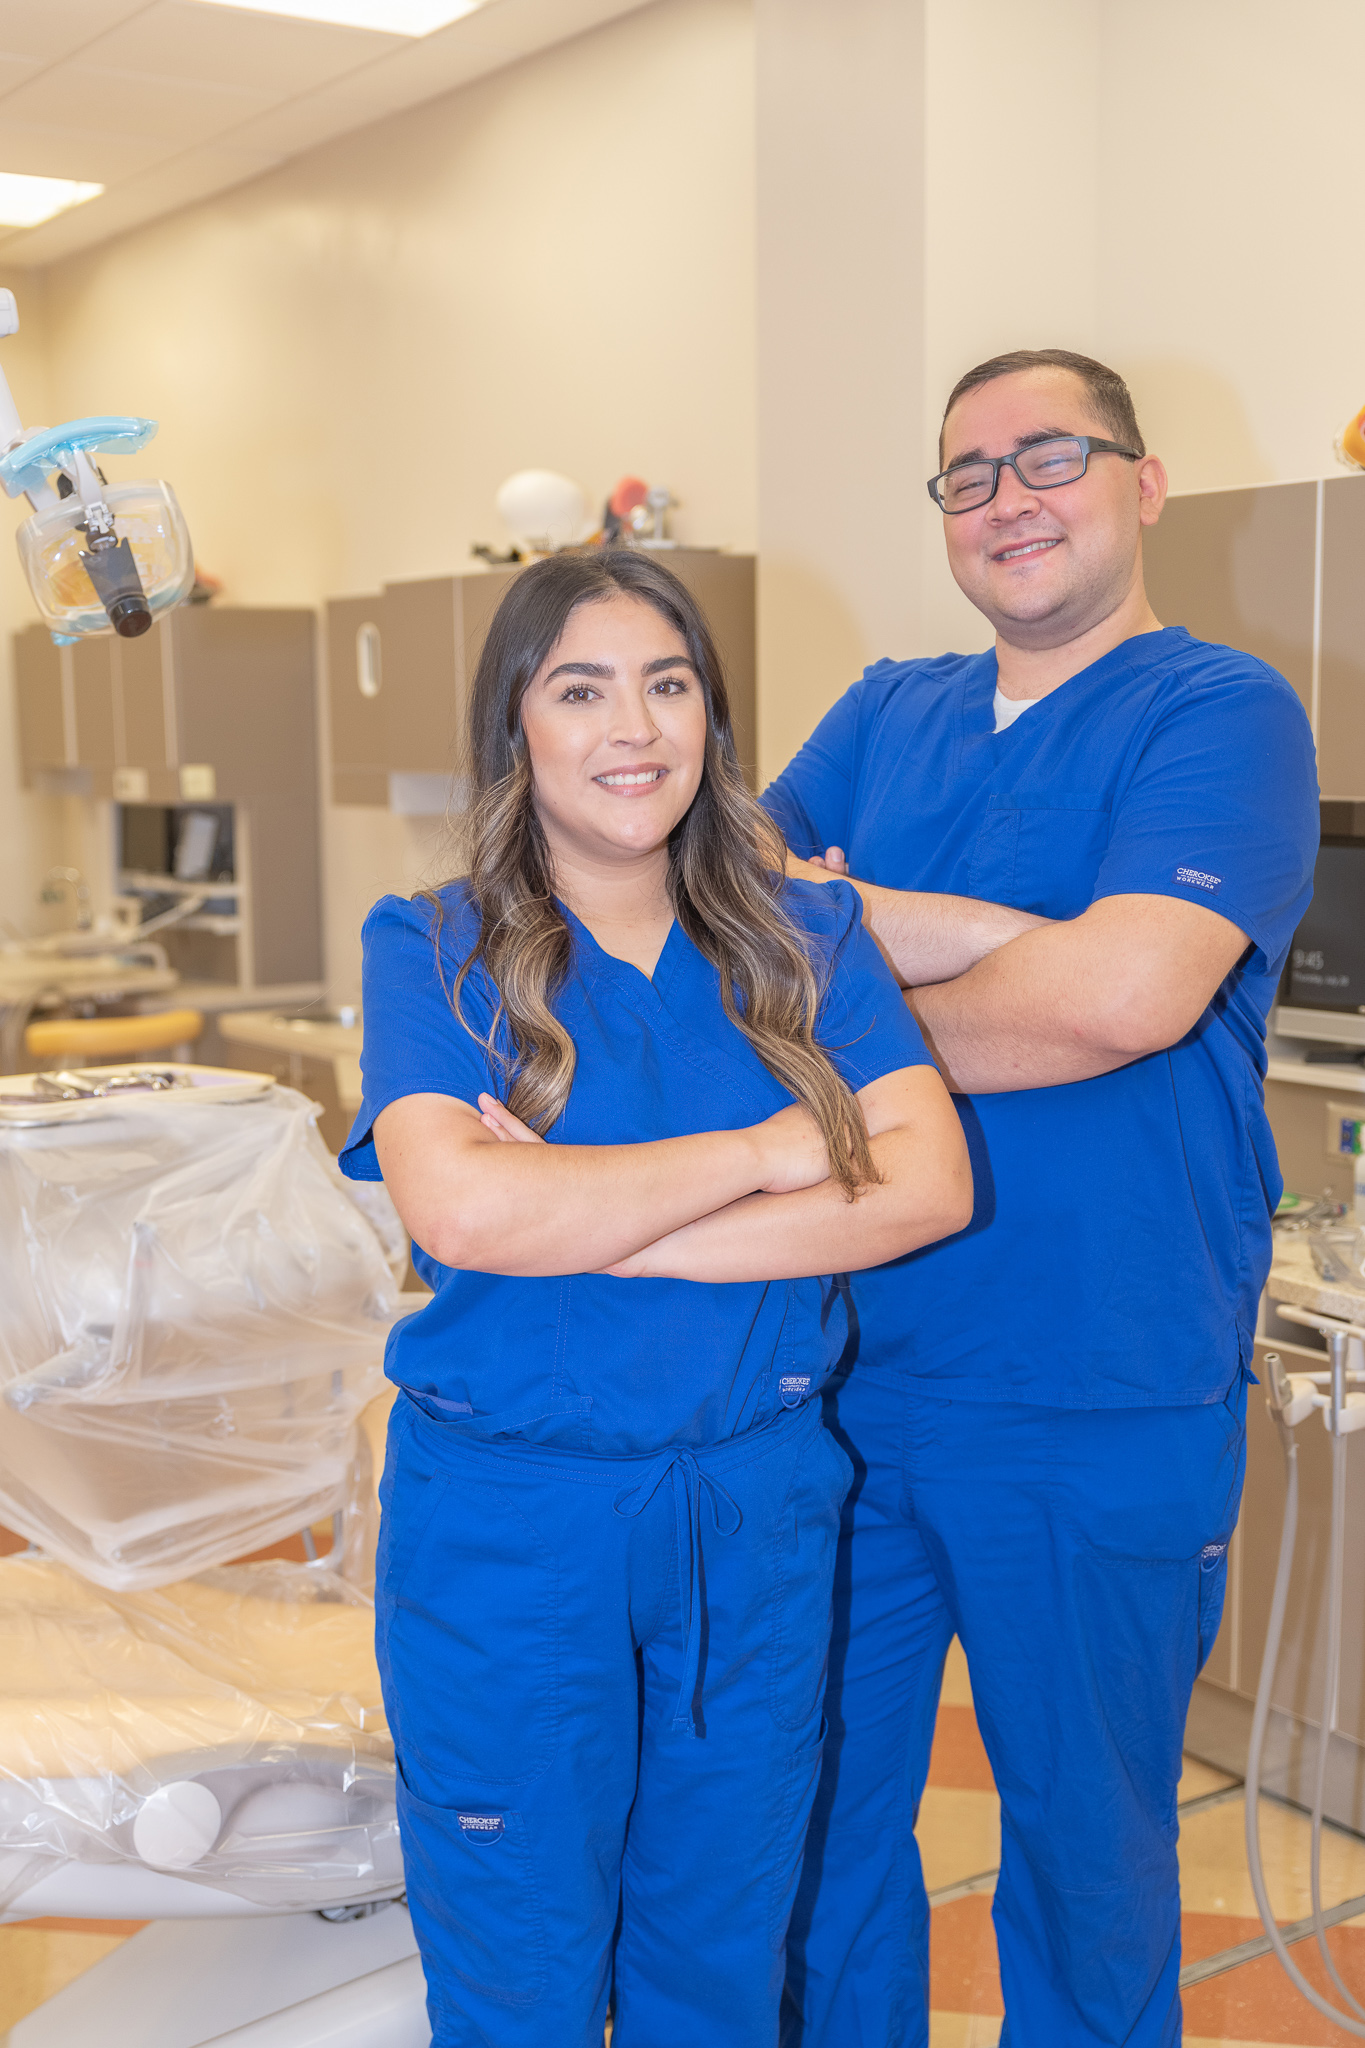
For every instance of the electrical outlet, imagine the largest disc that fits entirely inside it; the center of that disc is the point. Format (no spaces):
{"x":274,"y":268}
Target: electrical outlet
{"x":1345,"y":1129}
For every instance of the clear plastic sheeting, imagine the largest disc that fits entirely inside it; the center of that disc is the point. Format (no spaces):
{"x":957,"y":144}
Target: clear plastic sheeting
{"x":228,"y":1730}
{"x":192,"y":1315}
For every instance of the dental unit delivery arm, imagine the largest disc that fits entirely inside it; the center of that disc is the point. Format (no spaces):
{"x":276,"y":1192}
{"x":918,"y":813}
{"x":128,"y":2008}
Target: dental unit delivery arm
{"x":1291,"y":1398}
{"x":99,"y":557}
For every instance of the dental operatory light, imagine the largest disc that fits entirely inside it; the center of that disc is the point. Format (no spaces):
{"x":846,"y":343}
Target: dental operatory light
{"x":100,"y":557}
{"x":393,"y":17}
{"x":28,"y":202}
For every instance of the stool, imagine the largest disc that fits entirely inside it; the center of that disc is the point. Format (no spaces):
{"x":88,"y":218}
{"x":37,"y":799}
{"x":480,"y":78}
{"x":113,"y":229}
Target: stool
{"x":107,"y":1039}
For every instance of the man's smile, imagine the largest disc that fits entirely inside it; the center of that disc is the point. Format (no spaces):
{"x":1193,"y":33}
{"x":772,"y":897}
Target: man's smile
{"x":1027,"y":547}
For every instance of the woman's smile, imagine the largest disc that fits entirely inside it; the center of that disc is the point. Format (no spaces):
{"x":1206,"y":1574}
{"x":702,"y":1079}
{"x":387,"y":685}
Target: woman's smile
{"x":630,"y":782}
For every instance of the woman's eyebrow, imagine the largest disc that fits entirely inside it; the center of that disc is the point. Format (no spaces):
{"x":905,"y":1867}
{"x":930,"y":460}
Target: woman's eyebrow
{"x":651,"y":668}
{"x":598,"y":669}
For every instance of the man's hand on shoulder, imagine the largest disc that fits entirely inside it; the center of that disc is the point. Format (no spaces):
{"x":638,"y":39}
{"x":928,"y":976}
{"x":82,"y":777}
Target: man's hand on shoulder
{"x":824,"y":867}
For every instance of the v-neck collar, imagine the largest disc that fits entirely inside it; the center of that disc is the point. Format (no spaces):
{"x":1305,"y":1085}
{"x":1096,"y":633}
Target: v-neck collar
{"x":594,"y":957}
{"x":1140,"y":651}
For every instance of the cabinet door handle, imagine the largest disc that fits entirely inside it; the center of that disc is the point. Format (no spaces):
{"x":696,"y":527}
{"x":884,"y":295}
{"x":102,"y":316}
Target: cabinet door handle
{"x":369,"y":660}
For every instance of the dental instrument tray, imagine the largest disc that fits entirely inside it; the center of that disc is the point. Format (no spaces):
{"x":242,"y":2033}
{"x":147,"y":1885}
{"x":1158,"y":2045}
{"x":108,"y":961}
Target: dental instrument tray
{"x":61,"y":1095}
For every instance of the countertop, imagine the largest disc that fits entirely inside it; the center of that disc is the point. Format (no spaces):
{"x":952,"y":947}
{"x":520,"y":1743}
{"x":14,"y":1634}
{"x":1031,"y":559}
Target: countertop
{"x":1295,"y":1279}
{"x":309,"y":1039}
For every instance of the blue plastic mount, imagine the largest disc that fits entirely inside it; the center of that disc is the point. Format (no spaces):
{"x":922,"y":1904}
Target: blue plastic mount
{"x":34,"y":459}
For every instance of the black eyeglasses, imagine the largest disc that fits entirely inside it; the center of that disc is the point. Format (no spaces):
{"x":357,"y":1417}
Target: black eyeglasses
{"x":967,"y":486}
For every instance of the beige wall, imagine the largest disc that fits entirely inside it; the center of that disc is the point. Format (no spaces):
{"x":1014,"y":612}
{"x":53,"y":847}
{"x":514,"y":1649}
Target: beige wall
{"x":1190,"y":212}
{"x":559,"y":265}
{"x":550,"y":268}
{"x":31,"y":826}
{"x":840,"y":349}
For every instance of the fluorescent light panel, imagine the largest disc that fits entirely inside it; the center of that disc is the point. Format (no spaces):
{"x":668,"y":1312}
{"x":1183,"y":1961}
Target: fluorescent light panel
{"x":24,"y":202}
{"x":394,"y":17}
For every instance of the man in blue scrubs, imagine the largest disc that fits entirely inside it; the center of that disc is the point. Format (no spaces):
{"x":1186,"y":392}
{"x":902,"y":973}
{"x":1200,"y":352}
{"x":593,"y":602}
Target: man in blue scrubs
{"x":1085,"y":854}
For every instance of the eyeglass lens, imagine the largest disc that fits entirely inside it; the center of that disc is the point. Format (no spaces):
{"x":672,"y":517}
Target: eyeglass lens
{"x":1051,"y":462}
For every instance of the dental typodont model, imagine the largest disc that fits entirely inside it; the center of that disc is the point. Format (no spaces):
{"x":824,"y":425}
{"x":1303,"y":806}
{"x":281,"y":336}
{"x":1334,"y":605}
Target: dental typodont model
{"x":100,"y":557}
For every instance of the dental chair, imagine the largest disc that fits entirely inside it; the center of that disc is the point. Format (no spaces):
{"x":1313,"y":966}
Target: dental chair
{"x":193,"y":1309}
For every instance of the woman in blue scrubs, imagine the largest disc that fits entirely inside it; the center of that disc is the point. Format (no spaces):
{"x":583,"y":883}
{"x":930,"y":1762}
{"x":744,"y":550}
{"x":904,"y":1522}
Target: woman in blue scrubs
{"x":637,"y":1098}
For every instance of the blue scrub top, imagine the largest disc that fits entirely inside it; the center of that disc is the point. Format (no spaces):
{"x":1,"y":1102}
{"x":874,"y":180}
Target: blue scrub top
{"x":1122,"y":1227}
{"x":589,"y":1362}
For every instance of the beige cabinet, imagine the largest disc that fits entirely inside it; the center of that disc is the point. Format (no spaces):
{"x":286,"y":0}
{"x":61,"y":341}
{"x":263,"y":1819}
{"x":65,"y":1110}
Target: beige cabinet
{"x":1279,"y":570}
{"x":40,"y":701}
{"x":1238,"y":567}
{"x":400,"y":665}
{"x":1341,"y":736}
{"x":213,"y":705}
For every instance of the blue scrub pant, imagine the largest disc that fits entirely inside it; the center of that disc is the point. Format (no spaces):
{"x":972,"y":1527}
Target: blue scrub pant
{"x":604,"y":1679}
{"x":1081,"y":1557}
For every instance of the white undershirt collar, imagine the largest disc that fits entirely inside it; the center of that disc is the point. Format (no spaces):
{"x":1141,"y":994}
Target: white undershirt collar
{"x":1007,"y":709}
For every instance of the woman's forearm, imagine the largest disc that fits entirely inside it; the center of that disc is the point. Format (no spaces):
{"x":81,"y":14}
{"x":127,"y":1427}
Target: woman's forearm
{"x":535,"y":1209}
{"x":817,"y":1229}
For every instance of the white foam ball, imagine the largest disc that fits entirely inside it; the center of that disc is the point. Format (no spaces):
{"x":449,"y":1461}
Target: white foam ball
{"x":543,"y":510}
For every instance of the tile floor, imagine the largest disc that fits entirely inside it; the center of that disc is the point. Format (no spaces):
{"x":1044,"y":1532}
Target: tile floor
{"x":1248,"y":2005}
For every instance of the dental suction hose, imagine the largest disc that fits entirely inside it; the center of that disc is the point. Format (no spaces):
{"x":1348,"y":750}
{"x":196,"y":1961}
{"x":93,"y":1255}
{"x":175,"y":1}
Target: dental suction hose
{"x":1289,"y":1401}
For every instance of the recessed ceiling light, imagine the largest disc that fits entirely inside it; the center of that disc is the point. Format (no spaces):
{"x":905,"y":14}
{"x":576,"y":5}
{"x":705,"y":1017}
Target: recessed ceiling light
{"x":24,"y":202}
{"x":394,"y":17}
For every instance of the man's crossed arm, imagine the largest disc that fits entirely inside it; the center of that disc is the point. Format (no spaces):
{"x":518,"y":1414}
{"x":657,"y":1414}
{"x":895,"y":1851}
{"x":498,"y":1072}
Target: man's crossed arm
{"x":1008,"y":1000}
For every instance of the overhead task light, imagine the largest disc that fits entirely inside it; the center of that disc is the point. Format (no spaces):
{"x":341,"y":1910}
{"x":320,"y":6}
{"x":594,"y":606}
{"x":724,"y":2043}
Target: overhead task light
{"x":394,"y":17}
{"x":24,"y":202}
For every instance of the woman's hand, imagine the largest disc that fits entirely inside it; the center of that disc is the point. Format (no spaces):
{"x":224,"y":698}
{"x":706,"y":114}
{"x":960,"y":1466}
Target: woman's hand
{"x":792,"y":1152}
{"x":496,"y":1117}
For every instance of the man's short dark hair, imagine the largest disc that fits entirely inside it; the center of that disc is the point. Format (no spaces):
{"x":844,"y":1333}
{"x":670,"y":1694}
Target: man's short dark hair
{"x":1106,"y":390}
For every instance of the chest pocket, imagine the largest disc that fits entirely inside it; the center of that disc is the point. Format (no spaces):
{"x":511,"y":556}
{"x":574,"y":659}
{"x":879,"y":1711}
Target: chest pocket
{"x":1044,"y":856}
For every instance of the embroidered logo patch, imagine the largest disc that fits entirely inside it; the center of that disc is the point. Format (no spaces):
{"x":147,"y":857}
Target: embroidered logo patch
{"x":481,"y":1827}
{"x":1195,"y":878}
{"x":793,"y":1388}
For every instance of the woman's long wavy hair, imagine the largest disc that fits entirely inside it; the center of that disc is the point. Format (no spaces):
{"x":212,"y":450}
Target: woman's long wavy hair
{"x":725,"y":864}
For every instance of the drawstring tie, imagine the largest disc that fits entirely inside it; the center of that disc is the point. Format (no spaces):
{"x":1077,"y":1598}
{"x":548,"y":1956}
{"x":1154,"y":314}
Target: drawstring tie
{"x":688,"y":1478}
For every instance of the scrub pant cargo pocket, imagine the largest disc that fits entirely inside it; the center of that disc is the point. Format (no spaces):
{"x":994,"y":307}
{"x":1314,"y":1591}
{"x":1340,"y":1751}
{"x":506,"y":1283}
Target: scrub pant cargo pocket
{"x":604,"y":1678}
{"x":1080,"y":1555}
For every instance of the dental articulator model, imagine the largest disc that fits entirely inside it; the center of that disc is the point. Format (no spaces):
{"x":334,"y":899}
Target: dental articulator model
{"x":100,"y":557}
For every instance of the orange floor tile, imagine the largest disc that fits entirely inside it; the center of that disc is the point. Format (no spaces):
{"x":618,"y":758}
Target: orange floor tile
{"x":1257,"y":2003}
{"x":958,"y":1758}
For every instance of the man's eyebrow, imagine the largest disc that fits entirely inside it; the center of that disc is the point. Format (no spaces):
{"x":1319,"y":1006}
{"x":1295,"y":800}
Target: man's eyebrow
{"x":1029,"y":440}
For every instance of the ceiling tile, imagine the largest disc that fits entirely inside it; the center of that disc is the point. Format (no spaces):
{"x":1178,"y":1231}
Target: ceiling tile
{"x":124,"y":103}
{"x":180,"y":181}
{"x":323,"y":82}
{"x":45,"y":150}
{"x":178,"y":39}
{"x":15,"y":71}
{"x":421,"y":70}
{"x":48,"y":29}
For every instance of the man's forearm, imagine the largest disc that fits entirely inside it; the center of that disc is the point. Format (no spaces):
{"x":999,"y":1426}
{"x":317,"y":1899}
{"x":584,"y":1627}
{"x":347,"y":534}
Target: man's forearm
{"x":924,"y":938}
{"x":937,"y":938}
{"x":989,"y":1033}
{"x":1129,"y":977}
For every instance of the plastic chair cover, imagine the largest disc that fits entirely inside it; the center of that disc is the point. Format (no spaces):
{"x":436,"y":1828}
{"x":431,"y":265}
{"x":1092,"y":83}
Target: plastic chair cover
{"x":193,"y":1310}
{"x":228,"y":1730}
